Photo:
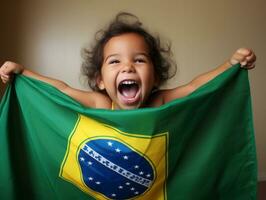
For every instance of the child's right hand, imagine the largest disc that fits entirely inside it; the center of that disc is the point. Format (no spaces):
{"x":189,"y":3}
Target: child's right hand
{"x":8,"y":69}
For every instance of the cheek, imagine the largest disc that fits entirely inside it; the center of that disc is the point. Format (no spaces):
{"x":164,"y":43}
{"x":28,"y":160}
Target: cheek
{"x":108,"y":78}
{"x":148,"y":77}
{"x":105,"y":74}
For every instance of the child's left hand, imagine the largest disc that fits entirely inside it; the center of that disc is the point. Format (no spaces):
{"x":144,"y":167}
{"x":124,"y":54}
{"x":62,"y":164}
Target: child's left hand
{"x":245,"y":57}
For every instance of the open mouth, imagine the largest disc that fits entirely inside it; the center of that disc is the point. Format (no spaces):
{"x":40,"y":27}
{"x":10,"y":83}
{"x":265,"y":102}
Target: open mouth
{"x":129,"y":91}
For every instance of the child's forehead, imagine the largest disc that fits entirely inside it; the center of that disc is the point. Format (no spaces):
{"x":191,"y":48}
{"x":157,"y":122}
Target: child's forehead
{"x":126,"y":42}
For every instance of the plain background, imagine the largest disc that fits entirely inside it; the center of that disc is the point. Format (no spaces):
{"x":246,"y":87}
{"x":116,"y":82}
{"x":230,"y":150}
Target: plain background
{"x":47,"y":37}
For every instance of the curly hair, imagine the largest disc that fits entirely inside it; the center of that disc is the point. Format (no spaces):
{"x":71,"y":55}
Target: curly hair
{"x":161,"y":56}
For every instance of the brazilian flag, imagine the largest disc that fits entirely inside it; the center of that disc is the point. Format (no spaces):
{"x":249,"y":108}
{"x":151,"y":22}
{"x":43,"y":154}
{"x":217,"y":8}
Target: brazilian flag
{"x":200,"y":147}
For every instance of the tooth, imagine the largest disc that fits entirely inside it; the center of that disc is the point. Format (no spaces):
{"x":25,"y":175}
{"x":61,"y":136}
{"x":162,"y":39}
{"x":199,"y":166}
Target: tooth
{"x":129,"y":82}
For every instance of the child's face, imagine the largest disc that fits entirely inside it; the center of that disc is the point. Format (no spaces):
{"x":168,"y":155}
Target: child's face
{"x":127,"y":73}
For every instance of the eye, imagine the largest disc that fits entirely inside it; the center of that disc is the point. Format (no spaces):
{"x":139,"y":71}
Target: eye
{"x":113,"y":61}
{"x":140,"y":60}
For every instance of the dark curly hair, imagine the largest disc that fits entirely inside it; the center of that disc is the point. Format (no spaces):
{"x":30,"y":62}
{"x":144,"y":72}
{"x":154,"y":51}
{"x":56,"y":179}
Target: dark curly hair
{"x":161,"y":56}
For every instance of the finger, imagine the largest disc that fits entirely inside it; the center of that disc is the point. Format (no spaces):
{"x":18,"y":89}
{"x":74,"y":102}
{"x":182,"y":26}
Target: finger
{"x":2,"y":66}
{"x":246,"y":60}
{"x":244,"y":51}
{"x":250,"y":63}
{"x":4,"y":75}
{"x":8,"y":67}
{"x":3,"y":69}
{"x":250,"y":66}
{"x":243,"y":64}
{"x":237,"y":58}
{"x":5,"y":80}
{"x":251,"y":58}
{"x":5,"y":65}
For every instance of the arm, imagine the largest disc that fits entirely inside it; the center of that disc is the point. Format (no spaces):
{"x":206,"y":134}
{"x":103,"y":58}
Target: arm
{"x":245,"y":57}
{"x":88,"y":99}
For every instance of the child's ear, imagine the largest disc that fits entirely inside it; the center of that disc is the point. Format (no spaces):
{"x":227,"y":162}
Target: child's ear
{"x":100,"y":83}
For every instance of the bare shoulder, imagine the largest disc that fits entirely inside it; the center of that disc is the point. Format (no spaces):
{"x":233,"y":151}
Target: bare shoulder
{"x":164,"y":96}
{"x":88,"y":98}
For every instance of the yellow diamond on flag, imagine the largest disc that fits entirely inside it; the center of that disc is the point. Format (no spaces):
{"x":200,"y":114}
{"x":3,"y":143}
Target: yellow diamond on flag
{"x":107,"y":163}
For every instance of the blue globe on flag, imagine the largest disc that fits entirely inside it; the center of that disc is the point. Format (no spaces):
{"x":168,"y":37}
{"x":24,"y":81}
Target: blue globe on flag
{"x":115,"y":169}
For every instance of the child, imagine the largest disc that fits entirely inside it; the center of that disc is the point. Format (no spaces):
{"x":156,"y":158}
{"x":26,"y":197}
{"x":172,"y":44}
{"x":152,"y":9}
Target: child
{"x":125,"y":67}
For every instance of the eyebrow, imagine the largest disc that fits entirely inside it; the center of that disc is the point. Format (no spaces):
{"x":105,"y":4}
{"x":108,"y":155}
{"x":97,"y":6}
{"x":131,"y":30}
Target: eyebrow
{"x":143,"y":54}
{"x":136,"y":54}
{"x":110,"y":56}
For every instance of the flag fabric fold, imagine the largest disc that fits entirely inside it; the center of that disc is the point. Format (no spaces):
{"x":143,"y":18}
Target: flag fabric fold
{"x":197,"y":147}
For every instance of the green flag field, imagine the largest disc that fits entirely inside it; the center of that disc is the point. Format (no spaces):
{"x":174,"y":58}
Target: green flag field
{"x":199,"y":147}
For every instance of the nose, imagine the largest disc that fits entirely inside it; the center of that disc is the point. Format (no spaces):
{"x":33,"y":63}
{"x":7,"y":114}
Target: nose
{"x":128,"y":68}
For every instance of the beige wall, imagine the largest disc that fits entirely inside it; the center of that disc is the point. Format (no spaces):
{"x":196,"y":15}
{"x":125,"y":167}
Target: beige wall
{"x":48,"y":35}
